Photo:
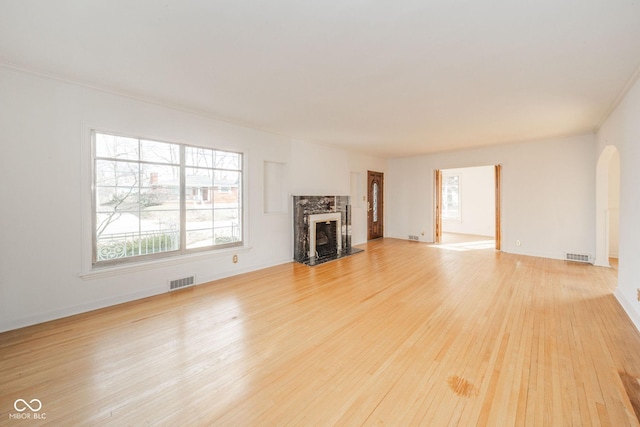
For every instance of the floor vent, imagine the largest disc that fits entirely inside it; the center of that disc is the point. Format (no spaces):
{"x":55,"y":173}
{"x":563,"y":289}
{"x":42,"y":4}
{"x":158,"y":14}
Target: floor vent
{"x":411,"y":237}
{"x":578,"y":257}
{"x":182,"y":283}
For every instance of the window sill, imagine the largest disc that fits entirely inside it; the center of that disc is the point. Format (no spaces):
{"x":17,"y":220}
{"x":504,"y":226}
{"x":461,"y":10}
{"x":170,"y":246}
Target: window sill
{"x":99,"y":273}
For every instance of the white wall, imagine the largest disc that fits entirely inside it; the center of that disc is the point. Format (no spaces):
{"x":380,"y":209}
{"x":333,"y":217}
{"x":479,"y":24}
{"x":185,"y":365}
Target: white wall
{"x":322,"y":170}
{"x":477,"y":202}
{"x":319,"y":170}
{"x":46,"y":211}
{"x":45,"y":249}
{"x":622,"y":130}
{"x":548,"y":194}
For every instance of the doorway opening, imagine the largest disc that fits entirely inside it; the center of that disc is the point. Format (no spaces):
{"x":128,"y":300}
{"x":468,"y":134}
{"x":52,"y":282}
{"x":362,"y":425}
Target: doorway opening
{"x":607,"y":207}
{"x":467,"y":207}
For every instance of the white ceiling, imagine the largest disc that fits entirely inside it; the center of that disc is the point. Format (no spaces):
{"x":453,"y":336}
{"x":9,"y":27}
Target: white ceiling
{"x":389,"y":78}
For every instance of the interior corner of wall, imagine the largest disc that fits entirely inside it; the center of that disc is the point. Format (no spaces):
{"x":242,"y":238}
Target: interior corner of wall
{"x":634,"y":315}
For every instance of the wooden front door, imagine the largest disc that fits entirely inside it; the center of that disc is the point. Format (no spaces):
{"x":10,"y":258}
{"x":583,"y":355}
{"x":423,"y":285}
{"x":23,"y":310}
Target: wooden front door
{"x":375,"y":205}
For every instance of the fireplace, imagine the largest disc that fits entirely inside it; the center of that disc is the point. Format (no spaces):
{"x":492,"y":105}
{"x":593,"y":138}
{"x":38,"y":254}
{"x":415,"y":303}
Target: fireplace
{"x":325,"y":235}
{"x":322,"y":228}
{"x":326,"y":240}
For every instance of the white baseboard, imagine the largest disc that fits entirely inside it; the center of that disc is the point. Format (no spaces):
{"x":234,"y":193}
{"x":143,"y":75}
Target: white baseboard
{"x":115,"y":300}
{"x":205,"y":279}
{"x":83,"y":308}
{"x":628,"y":308}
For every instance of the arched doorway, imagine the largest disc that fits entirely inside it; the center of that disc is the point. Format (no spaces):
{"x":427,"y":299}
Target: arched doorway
{"x":607,"y":205}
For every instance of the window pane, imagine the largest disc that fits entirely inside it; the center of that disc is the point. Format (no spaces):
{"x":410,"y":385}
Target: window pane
{"x":116,"y":221}
{"x":159,"y":220}
{"x":226,"y":188}
{"x":126,"y":234}
{"x":198,"y":219}
{"x":159,"y":152}
{"x":116,"y":199}
{"x":226,"y":216}
{"x":227,"y":226}
{"x":200,"y":157}
{"x":115,"y":173}
{"x":227,"y":160}
{"x":224,"y":235}
{"x":199,"y":186}
{"x":121,"y":245}
{"x":375,"y":202}
{"x":116,"y":147}
{"x":160,"y":186}
{"x":199,"y":238}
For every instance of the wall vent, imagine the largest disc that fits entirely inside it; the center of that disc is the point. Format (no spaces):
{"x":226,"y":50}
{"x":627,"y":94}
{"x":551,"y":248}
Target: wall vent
{"x":412,"y":237}
{"x":182,"y":283}
{"x":578,"y":257}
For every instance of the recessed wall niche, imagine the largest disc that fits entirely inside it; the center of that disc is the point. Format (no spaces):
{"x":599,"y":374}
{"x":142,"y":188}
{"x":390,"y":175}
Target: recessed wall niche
{"x":275,"y":192}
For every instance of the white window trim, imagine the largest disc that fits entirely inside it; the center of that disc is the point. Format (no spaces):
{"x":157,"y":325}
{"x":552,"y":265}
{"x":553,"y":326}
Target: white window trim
{"x":90,"y":271}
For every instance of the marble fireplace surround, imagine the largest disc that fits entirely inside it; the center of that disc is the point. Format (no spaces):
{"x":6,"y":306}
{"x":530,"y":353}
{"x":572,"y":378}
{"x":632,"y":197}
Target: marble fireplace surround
{"x":307,"y":211}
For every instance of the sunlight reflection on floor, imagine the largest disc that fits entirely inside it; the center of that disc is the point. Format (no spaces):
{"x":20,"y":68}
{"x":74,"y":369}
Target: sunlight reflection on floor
{"x":467,"y":246}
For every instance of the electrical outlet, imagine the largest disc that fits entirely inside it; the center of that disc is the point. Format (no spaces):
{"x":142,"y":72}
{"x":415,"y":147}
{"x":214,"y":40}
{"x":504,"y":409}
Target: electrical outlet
{"x":638,"y":294}
{"x":235,"y":259}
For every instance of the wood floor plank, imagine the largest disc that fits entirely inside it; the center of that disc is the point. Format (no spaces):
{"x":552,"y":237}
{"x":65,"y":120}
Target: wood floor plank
{"x":401,"y":334}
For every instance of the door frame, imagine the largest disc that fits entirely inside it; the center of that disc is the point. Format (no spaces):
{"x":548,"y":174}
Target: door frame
{"x":437,"y":180}
{"x":437,"y":238}
{"x":498,"y":189}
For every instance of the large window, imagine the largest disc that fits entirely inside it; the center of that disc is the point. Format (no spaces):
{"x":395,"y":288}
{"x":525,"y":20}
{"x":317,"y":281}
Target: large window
{"x":155,"y":199}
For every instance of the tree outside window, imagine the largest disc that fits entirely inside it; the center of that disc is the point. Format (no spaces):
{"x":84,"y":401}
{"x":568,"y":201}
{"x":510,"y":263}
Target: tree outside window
{"x":155,"y":198}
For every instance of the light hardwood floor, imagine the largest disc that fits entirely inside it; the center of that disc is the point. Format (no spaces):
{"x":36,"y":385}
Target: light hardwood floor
{"x":401,"y":334}
{"x":453,"y":238}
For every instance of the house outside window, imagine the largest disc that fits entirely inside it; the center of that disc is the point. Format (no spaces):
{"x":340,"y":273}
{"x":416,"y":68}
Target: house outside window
{"x":154,"y":199}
